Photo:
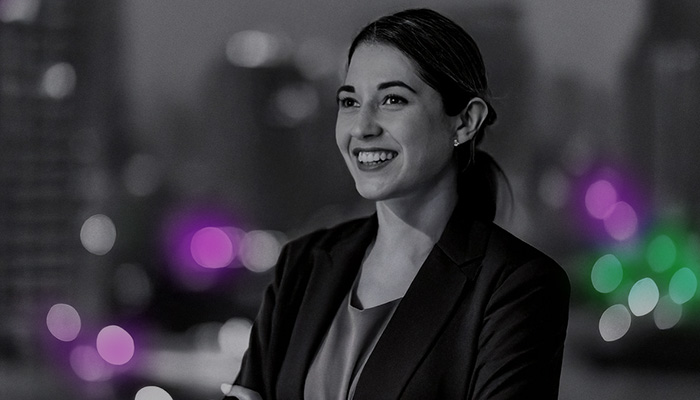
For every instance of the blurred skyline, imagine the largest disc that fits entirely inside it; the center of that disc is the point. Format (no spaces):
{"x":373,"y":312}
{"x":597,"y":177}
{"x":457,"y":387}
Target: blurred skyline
{"x":167,"y":44}
{"x":155,"y":156}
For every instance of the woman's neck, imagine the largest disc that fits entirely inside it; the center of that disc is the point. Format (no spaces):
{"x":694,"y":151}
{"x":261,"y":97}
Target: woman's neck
{"x":408,"y":230}
{"x":417,"y":220}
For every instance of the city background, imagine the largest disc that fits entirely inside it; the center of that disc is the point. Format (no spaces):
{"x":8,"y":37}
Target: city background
{"x":155,"y":156}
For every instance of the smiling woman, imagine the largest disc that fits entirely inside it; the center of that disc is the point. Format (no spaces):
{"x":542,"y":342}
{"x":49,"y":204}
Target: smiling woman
{"x":385,"y":108}
{"x":427,"y":298}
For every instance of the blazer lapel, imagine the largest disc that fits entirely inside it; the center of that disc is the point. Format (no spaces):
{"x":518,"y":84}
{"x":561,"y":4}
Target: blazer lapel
{"x":332,"y":275}
{"x":425,"y":309}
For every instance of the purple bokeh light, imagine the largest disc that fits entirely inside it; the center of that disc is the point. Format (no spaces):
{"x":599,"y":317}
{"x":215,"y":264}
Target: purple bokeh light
{"x":621,"y":222}
{"x":212,"y":247}
{"x":88,"y":365}
{"x":115,"y":345}
{"x":611,"y":204}
{"x":601,"y":196}
{"x":198,"y":242}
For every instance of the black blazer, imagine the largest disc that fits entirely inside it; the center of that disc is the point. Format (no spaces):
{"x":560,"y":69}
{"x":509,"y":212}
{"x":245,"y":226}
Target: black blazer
{"x":485,"y":318}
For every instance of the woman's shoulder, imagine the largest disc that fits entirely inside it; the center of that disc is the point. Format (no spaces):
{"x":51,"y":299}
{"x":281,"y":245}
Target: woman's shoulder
{"x":512,"y":256}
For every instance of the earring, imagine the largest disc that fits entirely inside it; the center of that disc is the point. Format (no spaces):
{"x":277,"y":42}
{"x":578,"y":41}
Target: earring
{"x":456,"y":142}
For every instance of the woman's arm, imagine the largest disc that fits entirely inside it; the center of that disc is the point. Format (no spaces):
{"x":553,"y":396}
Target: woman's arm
{"x":522,"y":340}
{"x":256,"y":373}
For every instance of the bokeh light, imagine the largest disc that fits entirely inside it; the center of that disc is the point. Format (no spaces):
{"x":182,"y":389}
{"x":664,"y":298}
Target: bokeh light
{"x":234,"y":335}
{"x":661,"y":253}
{"x":88,"y":365}
{"x":115,"y":345}
{"x":59,"y":81}
{"x":253,"y":49}
{"x":19,"y":10}
{"x":295,"y":103}
{"x":606,"y":274}
{"x":643,"y":297}
{"x":186,"y":268}
{"x":212,"y":248}
{"x":260,"y":250}
{"x":601,"y":196}
{"x":614,"y":323}
{"x":683,"y":286}
{"x":63,"y":322}
{"x":152,"y":393}
{"x":621,"y":221}
{"x":98,"y":234}
{"x":667,"y":313}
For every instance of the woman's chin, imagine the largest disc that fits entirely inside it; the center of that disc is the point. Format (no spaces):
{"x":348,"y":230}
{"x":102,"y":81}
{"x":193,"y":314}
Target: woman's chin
{"x":372,"y":193}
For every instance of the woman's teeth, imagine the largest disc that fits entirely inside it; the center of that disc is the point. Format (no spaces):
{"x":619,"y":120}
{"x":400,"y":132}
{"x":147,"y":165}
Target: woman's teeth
{"x":366,"y":157}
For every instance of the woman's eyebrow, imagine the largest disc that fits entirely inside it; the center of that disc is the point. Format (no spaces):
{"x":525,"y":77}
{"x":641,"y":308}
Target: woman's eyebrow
{"x":381,"y":86}
{"x":346,"y":88}
{"x":386,"y":85}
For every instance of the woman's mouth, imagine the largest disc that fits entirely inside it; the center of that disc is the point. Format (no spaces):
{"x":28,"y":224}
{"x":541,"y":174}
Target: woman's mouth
{"x":368,"y":159}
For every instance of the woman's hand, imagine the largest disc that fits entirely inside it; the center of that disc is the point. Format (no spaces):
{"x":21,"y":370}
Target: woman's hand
{"x":240,"y":392}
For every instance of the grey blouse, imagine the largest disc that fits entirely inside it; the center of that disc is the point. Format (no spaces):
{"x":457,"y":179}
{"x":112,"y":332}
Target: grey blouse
{"x":350,"y":340}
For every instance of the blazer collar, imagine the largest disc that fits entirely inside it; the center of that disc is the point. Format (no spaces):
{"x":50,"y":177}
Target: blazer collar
{"x":334,"y":270}
{"x":418,"y":319}
{"x":427,"y":306}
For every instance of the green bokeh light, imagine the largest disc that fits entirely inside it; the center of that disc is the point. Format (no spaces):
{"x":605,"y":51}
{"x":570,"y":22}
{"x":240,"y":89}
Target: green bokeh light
{"x":606,"y":274}
{"x":683,"y":286}
{"x":661,"y":253}
{"x":643,"y":297}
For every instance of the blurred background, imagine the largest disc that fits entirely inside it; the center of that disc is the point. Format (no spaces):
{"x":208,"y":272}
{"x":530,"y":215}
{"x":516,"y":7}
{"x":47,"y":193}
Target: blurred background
{"x":155,"y":155}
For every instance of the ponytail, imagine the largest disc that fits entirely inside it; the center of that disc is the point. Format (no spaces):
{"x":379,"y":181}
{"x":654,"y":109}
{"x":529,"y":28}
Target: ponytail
{"x":478,"y":181}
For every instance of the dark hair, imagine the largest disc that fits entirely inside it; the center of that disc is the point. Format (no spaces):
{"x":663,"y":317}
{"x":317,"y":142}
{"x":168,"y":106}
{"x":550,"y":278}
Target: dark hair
{"x":449,"y":61}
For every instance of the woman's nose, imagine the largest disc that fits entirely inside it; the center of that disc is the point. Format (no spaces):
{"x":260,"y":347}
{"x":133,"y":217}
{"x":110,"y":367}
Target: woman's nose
{"x":365,"y":124}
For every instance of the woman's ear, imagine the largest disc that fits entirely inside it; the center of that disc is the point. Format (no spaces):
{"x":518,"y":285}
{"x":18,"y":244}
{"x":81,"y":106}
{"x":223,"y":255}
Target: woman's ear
{"x":471,"y":118}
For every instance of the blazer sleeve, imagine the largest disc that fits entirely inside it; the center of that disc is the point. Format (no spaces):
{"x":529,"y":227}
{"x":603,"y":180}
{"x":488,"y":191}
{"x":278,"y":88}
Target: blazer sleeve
{"x":521,"y":344}
{"x":257,"y":366}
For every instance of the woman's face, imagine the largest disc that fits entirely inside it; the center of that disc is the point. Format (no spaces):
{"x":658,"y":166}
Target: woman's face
{"x":392,"y":129}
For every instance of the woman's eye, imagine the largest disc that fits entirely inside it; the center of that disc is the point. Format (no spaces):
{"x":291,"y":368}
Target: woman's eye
{"x":346,"y":102}
{"x":393,"y":99}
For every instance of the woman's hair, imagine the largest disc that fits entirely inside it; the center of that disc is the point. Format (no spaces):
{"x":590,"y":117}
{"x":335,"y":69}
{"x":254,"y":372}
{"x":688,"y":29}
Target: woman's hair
{"x":449,"y":61}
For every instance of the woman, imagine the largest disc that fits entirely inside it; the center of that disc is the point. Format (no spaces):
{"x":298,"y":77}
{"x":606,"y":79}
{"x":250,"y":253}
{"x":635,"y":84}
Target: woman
{"x":427,"y":298}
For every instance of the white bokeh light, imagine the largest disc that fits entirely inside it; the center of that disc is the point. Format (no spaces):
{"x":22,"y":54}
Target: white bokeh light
{"x":152,"y":393}
{"x":254,"y":49}
{"x":643,"y":297}
{"x":59,"y":81}
{"x":614,"y":323}
{"x":98,"y":234}
{"x":63,"y":322}
{"x":234,"y":335}
{"x":19,"y":10}
{"x":294,"y":104}
{"x":259,"y":250}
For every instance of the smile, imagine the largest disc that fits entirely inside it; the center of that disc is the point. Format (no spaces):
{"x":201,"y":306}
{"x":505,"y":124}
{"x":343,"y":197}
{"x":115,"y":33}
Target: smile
{"x":374,"y":158}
